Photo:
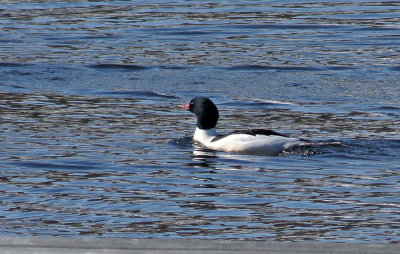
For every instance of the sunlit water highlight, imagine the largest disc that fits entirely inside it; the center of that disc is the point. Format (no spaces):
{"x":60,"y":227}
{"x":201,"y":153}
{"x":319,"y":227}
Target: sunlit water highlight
{"x":93,"y":143}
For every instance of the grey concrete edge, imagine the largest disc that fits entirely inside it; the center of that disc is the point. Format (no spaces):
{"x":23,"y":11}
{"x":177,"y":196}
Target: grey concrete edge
{"x":127,"y":245}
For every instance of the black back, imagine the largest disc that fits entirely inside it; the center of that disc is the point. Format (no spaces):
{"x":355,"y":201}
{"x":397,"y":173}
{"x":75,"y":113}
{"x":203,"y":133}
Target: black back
{"x":252,"y":132}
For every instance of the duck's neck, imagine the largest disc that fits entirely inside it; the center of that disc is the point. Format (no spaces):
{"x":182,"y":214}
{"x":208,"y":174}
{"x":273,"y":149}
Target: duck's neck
{"x":204,"y":136}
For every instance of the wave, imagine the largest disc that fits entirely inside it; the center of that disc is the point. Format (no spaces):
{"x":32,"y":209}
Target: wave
{"x":118,"y":66}
{"x":6,"y":64}
{"x":133,"y":67}
{"x":140,"y":93}
{"x":255,"y":67}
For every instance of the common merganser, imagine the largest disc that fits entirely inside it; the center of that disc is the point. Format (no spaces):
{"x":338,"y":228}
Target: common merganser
{"x":253,"y":141}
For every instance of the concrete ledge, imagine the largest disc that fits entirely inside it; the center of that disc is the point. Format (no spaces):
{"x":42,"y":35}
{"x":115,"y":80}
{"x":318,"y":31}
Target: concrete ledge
{"x":17,"y":245}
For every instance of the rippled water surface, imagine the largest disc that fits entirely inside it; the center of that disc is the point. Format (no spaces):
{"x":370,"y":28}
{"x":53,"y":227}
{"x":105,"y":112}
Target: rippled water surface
{"x":93,"y":144}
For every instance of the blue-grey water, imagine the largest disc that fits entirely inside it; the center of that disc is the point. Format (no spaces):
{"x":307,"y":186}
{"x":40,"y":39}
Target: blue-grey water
{"x":93,"y":144}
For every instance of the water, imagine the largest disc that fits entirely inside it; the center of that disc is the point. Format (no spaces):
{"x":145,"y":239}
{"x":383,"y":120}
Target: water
{"x":93,"y":143}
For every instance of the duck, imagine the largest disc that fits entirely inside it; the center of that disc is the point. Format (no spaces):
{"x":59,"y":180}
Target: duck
{"x":252,"y":141}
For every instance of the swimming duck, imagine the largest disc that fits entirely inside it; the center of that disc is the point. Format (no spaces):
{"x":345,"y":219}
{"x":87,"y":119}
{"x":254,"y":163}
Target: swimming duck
{"x":253,"y":141}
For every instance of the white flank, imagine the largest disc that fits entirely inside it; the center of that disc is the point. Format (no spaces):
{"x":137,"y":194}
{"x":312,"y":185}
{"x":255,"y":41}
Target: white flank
{"x":245,"y":143}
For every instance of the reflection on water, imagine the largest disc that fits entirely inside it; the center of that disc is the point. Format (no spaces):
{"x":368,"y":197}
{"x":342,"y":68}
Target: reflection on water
{"x":93,"y":144}
{"x":267,"y":33}
{"x":84,"y":165}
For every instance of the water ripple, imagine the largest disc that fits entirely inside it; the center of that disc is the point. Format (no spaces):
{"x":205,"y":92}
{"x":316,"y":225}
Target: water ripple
{"x":127,"y":67}
{"x":93,"y":144}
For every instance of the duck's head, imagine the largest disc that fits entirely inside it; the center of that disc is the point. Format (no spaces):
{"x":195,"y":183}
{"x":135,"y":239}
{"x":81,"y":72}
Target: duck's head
{"x":205,"y":110}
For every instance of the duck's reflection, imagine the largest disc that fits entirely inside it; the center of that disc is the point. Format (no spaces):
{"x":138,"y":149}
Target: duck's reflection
{"x":203,"y":157}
